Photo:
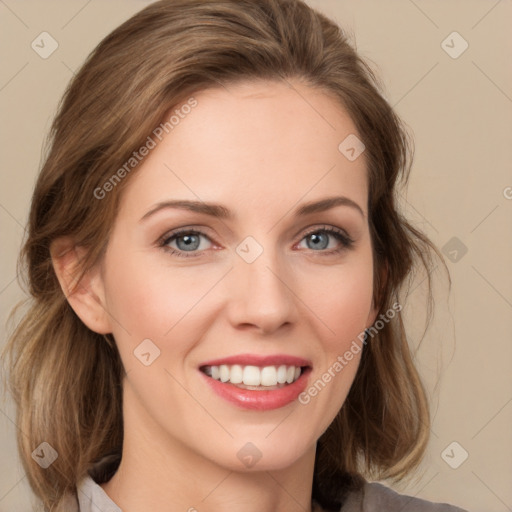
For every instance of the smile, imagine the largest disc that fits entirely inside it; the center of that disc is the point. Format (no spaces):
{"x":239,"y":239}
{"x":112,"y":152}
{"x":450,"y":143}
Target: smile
{"x":257,"y":384}
{"x":247,"y":377}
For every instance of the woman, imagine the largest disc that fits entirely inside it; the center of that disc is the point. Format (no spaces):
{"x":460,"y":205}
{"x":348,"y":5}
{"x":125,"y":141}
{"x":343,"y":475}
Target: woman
{"x":215,"y":258}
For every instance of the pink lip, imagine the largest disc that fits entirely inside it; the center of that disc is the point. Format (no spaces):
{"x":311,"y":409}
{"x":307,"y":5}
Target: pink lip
{"x":260,"y":361}
{"x":259,"y":400}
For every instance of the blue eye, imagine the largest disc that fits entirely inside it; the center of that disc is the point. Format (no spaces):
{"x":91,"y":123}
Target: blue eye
{"x":320,"y":239}
{"x":188,"y":241}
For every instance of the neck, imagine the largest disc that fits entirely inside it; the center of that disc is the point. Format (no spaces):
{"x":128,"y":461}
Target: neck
{"x":159,"y":473}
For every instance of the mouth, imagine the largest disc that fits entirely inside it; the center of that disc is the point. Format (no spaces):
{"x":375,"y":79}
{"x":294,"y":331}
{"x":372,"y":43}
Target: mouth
{"x":257,"y":382}
{"x":254,"y":377}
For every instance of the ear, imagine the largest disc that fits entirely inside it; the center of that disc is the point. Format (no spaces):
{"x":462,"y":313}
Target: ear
{"x":86,"y":296}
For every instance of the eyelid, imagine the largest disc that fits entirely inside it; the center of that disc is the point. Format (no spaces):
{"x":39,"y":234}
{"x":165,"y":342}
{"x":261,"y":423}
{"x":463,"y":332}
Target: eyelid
{"x":202,"y":230}
{"x":324,"y":227}
{"x":340,"y":234}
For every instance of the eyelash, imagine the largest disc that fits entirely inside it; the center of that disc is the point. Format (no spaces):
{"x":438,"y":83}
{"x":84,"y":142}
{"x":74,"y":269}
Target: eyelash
{"x":345,"y":240}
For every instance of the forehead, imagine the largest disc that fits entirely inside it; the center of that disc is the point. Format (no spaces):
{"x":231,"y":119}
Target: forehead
{"x":252,"y":145}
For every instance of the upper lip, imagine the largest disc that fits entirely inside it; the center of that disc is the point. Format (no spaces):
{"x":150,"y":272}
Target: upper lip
{"x":259,"y":360}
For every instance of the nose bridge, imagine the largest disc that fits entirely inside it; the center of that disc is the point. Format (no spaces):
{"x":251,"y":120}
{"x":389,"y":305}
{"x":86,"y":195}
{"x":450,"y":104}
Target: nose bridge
{"x":261,"y":294}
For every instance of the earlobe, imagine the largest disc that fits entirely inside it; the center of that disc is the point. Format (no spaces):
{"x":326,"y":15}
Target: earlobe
{"x":86,"y":294}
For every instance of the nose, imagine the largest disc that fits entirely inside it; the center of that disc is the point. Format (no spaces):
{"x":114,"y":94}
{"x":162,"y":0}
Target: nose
{"x":260,"y":294}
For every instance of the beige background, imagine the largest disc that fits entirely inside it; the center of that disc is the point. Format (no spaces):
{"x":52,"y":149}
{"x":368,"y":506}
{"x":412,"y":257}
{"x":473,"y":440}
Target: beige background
{"x":460,"y":111}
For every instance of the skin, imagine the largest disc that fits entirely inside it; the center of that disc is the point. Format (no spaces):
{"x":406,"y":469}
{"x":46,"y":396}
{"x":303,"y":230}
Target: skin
{"x":261,"y":149}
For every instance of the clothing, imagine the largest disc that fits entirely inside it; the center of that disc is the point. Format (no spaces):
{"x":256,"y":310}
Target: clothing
{"x":374,"y":498}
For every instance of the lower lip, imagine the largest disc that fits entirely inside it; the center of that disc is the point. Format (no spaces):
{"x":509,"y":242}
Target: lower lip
{"x":259,"y":400}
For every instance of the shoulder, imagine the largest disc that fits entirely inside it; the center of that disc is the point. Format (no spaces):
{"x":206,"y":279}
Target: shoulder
{"x":92,"y":498}
{"x":375,"y":497}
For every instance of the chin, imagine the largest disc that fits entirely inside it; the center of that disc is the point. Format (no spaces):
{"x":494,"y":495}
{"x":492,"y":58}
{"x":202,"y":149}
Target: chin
{"x":263,"y":454}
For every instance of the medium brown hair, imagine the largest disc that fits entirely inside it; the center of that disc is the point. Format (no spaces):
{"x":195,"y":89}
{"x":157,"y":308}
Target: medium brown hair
{"x":66,"y":380}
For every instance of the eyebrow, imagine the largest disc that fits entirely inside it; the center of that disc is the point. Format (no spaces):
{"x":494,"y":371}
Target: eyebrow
{"x":221,"y":212}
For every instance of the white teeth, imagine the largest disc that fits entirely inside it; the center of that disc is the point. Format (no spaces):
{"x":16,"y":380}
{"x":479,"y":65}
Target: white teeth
{"x":224,"y":373}
{"x":269,"y":376}
{"x":236,"y":375}
{"x":254,"y":375}
{"x":281,"y":374}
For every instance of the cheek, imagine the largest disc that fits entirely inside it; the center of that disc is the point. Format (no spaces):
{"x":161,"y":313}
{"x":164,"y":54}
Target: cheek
{"x":350,"y":307}
{"x":342,"y":302}
{"x":341,"y":299}
{"x":150,"y":300}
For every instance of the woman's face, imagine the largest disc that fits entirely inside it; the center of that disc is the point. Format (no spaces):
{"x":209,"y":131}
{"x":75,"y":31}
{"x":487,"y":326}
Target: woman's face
{"x":249,"y":283}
